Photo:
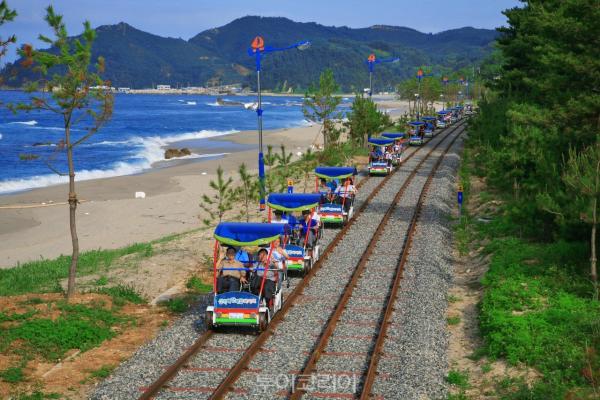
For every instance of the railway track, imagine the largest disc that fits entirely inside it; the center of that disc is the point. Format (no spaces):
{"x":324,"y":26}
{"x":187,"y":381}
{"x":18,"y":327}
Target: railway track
{"x":226,"y":357}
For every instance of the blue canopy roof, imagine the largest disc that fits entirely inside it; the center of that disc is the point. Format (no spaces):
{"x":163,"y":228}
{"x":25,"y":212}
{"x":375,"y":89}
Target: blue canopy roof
{"x":248,"y":234}
{"x":428,"y":118}
{"x":335,"y":172}
{"x":293,"y":201}
{"x":416,"y":123}
{"x":443,"y":112}
{"x":381,"y":141}
{"x":393,"y":135}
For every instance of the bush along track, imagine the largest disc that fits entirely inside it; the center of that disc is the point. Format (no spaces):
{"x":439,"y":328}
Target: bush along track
{"x":537,"y":310}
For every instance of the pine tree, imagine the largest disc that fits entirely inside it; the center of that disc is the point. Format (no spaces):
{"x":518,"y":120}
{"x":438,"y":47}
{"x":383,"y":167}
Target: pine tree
{"x":77,"y":94}
{"x":222,"y":201}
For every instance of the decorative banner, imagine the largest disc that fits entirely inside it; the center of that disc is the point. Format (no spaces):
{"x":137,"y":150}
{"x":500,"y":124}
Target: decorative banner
{"x":258,"y":44}
{"x":371,"y":58}
{"x":420,"y":73}
{"x":290,"y":186}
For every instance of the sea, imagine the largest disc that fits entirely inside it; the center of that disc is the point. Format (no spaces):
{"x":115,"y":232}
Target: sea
{"x":133,"y":140}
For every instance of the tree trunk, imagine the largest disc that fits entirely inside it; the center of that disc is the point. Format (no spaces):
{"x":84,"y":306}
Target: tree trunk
{"x":72,"y":210}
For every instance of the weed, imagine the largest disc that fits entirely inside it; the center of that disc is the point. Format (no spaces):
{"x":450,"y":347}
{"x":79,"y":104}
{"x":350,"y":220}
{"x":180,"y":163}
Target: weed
{"x":196,"y":285}
{"x":453,"y":320}
{"x":45,"y":275}
{"x":103,"y":280}
{"x":37,"y":395}
{"x":122,"y":294}
{"x":102,"y":372}
{"x":453,"y":299}
{"x":485,"y":368}
{"x":458,"y":379}
{"x":78,"y":326}
{"x":12,"y":375}
{"x":177,"y":306}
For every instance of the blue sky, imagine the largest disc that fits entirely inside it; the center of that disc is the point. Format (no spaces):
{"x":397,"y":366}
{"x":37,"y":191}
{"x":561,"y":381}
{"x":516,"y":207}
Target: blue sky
{"x":185,"y":18}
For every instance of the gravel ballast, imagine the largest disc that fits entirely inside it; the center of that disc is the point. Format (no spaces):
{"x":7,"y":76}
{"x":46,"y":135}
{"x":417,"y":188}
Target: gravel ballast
{"x":286,"y":352}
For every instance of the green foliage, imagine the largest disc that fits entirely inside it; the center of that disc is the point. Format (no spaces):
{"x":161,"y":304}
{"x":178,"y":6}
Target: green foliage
{"x":458,"y":379}
{"x":364,"y":120}
{"x":177,"y":305}
{"x":12,"y":375}
{"x":37,"y":395}
{"x":220,"y":202}
{"x":543,"y":112}
{"x":321,"y":105}
{"x":453,"y":320}
{"x":74,"y":92}
{"x":122,"y":294}
{"x":6,"y":15}
{"x":248,"y":190}
{"x":44,"y":275}
{"x":103,"y":372}
{"x":536,"y":308}
{"x":78,"y":326}
{"x":196,"y":285}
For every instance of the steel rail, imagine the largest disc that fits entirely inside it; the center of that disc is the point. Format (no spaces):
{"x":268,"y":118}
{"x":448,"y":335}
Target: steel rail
{"x":298,"y":388}
{"x":371,"y":372}
{"x":241,"y":365}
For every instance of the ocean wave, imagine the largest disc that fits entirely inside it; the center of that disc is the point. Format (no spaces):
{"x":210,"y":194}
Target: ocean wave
{"x":118,"y":169}
{"x":190,"y":103}
{"x":30,"y":123}
{"x":0,"y":136}
{"x":214,"y":104}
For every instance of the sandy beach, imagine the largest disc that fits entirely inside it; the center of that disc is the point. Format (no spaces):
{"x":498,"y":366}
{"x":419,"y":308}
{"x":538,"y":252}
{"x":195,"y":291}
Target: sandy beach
{"x":34,"y":224}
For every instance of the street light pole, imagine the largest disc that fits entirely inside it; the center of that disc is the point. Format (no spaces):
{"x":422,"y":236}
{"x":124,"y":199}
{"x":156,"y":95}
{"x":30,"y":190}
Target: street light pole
{"x":257,"y":48}
{"x":419,"y":77}
{"x":371,"y":61}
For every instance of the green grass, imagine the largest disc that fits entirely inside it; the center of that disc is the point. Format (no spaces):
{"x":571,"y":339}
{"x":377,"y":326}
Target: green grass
{"x":454,"y":320}
{"x":538,"y":308}
{"x":122,"y":294}
{"x":77,"y":326}
{"x":102,"y":372}
{"x":458,"y":379}
{"x":453,"y":299}
{"x":196,"y":285}
{"x":178,"y":305}
{"x":12,"y":375}
{"x":44,"y":275}
{"x":37,"y":395}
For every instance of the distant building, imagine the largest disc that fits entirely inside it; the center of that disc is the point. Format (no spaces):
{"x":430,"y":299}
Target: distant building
{"x":123,"y":90}
{"x":163,"y":87}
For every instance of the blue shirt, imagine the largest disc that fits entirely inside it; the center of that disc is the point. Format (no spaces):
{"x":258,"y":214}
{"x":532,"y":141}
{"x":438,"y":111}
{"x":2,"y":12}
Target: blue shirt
{"x":305,"y":225}
{"x":242,"y":256}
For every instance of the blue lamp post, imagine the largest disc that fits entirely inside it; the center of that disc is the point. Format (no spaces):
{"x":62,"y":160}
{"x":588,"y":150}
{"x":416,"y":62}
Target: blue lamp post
{"x":257,"y":49}
{"x":371,"y":61}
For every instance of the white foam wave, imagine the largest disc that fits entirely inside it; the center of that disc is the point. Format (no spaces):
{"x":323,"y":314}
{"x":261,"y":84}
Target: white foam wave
{"x":190,"y":103}
{"x":215,"y":104}
{"x":0,"y":136}
{"x":119,"y":169}
{"x":30,"y":123}
{"x":149,"y":151}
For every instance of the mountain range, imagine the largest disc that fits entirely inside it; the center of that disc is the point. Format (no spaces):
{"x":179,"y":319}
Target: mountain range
{"x":139,"y":59}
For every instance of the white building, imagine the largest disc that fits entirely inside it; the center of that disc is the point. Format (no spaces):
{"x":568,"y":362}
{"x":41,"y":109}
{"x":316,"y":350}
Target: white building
{"x":163,"y":87}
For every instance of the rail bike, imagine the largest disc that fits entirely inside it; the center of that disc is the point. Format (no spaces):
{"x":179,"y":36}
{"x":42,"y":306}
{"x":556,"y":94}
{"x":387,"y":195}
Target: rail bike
{"x":417,"y":133}
{"x":335,"y":185}
{"x":301,"y":239}
{"x":380,"y":158}
{"x":430,"y":123}
{"x":248,"y":293}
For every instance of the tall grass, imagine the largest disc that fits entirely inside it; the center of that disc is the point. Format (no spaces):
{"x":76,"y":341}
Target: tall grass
{"x":44,"y":275}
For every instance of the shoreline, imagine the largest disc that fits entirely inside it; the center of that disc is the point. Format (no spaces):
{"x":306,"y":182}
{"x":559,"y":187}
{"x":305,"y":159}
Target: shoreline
{"x":109,"y":216}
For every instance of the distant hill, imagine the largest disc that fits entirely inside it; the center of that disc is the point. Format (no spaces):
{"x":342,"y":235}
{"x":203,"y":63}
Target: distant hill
{"x":139,"y":59}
